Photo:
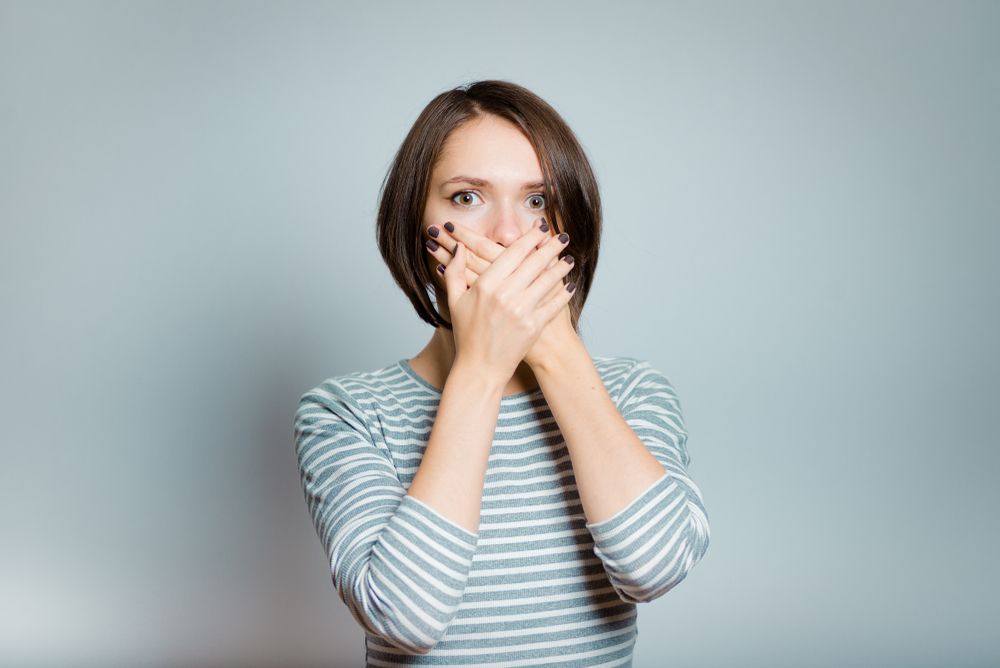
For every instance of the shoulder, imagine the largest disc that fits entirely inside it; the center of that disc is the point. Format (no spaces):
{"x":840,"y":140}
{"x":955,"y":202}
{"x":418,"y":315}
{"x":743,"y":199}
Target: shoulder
{"x":629,"y":378}
{"x":352,"y":396}
{"x":616,"y":372}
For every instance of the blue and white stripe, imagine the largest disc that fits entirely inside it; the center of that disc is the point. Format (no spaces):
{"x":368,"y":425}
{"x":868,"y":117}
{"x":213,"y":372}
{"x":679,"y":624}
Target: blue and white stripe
{"x":536,"y":585}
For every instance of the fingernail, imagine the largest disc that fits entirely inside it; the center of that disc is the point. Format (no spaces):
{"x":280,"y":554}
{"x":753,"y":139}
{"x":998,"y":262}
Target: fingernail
{"x":568,"y":258}
{"x":544,"y":227}
{"x":450,"y":227}
{"x":431,"y":245}
{"x":441,"y":268}
{"x":570,"y":287}
{"x":564,"y":238}
{"x":433,"y":231}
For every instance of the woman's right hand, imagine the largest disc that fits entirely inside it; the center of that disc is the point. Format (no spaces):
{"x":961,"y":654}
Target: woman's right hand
{"x":497,"y":319}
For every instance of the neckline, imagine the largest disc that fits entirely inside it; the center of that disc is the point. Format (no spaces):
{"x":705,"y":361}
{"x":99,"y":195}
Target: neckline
{"x":404,"y":364}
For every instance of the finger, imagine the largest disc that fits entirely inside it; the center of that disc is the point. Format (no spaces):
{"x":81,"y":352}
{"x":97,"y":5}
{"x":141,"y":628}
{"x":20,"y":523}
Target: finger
{"x":483,"y":247}
{"x":552,"y":276}
{"x":554,"y":292}
{"x":552,"y":263}
{"x":454,"y":277}
{"x":557,"y":287}
{"x":482,"y":250}
{"x":444,"y":257}
{"x":534,"y":265}
{"x":475,"y":261}
{"x":548,"y":310}
{"x":511,"y":258}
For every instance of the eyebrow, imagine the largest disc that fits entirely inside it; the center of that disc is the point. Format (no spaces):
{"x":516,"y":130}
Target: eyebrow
{"x":482,"y":183}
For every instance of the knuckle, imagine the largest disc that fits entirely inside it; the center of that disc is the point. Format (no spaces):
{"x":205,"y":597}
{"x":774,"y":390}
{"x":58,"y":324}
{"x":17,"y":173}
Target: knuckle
{"x":484,"y":286}
{"x":506,"y":301}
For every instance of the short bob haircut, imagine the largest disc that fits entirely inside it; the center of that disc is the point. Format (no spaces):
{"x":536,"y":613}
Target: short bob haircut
{"x":572,"y":201}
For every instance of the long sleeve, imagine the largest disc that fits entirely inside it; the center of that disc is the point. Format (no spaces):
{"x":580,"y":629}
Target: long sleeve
{"x":400,"y":566}
{"x":650,"y":546}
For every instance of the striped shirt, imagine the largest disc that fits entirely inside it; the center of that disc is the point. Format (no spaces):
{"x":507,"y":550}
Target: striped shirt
{"x":536,"y":585}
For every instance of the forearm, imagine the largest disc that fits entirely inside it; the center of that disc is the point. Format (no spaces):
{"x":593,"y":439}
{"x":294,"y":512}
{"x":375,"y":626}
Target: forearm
{"x":452,"y":473}
{"x":611,"y":464}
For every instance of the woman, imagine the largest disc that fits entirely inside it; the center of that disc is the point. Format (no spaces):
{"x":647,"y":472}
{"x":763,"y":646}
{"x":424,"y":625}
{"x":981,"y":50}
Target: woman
{"x":502,"y":498}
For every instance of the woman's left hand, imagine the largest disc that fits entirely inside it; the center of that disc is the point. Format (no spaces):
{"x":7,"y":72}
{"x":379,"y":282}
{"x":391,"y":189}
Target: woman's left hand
{"x":482,"y":251}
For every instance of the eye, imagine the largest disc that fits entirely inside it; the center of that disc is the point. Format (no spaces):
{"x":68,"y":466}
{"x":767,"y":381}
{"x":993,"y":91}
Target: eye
{"x":537,"y":197}
{"x":464,"y":195}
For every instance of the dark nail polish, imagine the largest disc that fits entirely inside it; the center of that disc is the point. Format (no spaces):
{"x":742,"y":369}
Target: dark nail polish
{"x":441,"y":268}
{"x":431,"y":245}
{"x":564,"y":238}
{"x":570,"y":287}
{"x":433,"y":231}
{"x":544,"y":227}
{"x":450,"y":227}
{"x":568,"y":258}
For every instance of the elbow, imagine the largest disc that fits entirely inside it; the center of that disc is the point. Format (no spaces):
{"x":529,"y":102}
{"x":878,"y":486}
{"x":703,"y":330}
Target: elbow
{"x":398,"y":615}
{"x":406,"y":645}
{"x":671,"y":568}
{"x":399,"y":627}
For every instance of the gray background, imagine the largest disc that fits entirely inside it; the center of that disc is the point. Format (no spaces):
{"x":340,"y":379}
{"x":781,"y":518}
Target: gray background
{"x":801,"y":232}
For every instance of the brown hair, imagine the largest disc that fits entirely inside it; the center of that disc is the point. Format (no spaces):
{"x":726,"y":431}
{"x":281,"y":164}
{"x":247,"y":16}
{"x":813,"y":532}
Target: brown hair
{"x":572,"y":201}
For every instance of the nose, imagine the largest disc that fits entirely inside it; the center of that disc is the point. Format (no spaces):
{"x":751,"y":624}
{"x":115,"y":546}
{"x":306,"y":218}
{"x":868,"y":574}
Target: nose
{"x":508,"y":223}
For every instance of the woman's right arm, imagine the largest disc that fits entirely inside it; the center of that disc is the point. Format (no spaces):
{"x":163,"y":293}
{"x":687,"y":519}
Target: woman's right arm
{"x":453,"y":470}
{"x":495,"y":322}
{"x":398,"y":562}
{"x":400,"y":558}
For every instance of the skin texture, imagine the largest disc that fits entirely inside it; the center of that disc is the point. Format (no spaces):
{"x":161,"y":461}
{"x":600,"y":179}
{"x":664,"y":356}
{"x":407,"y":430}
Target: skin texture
{"x":512,"y":332}
{"x":487,"y":219}
{"x":546,"y":288}
{"x":496,"y":322}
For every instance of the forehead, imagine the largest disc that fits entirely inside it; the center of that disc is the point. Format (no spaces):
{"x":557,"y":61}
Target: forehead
{"x":488,"y":146}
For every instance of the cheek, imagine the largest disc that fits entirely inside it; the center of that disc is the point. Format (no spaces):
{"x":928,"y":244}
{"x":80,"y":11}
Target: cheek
{"x":433,"y":213}
{"x":439,"y":205}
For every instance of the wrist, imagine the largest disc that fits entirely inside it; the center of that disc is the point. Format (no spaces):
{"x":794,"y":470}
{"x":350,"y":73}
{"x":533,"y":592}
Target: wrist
{"x":477,"y":377}
{"x":558,"y":356}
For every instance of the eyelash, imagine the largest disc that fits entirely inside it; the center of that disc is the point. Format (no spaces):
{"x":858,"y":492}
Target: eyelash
{"x":473,"y":192}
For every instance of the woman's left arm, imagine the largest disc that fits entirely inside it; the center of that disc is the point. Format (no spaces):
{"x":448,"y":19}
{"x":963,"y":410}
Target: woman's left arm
{"x":644,"y":512}
{"x":646,"y":515}
{"x":611,"y":464}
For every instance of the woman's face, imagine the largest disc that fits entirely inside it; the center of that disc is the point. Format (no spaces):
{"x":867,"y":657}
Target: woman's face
{"x":487,"y":178}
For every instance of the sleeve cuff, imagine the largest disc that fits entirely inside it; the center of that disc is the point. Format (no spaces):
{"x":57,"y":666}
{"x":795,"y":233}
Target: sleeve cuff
{"x":458,"y":535}
{"x":645,"y":501}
